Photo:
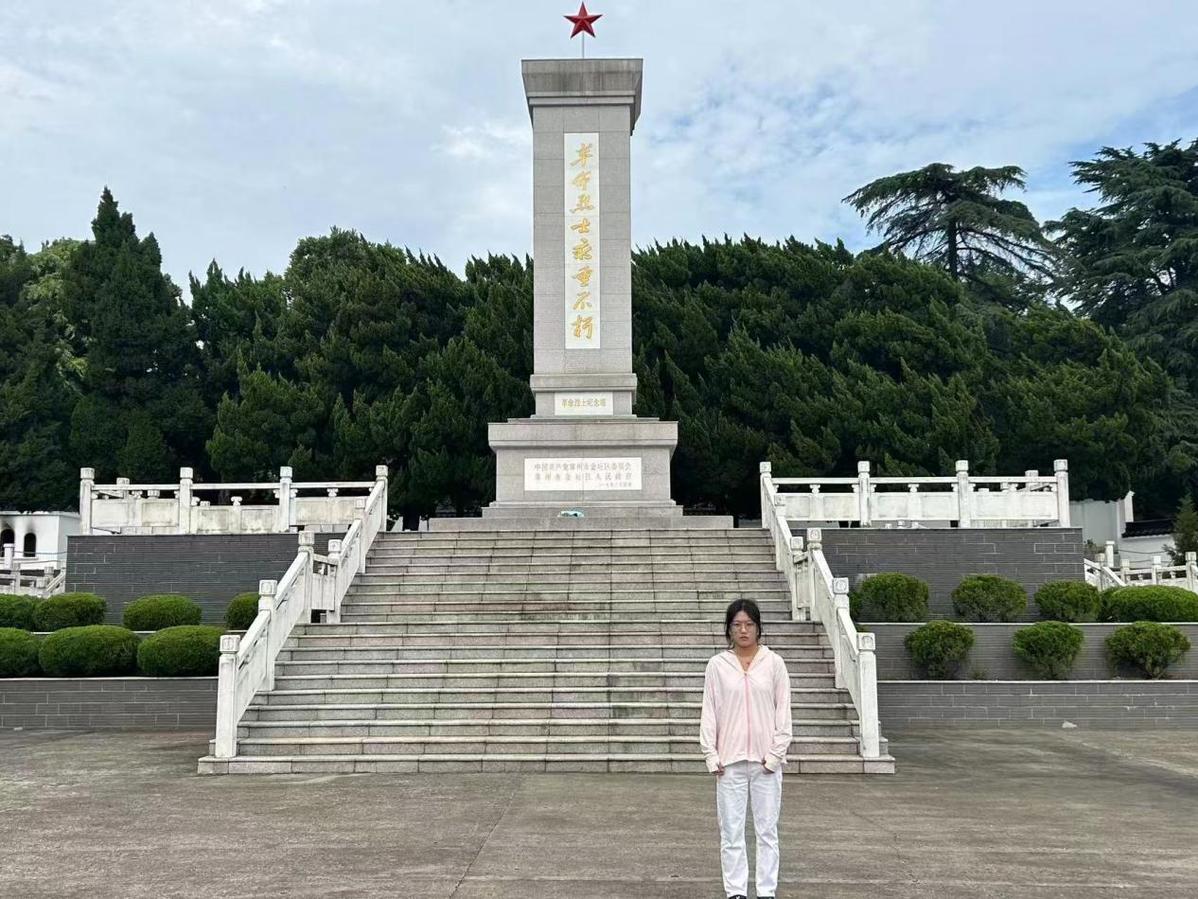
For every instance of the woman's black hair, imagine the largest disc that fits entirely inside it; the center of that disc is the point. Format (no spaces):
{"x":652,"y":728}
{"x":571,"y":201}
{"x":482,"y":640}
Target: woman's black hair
{"x":749,"y":608}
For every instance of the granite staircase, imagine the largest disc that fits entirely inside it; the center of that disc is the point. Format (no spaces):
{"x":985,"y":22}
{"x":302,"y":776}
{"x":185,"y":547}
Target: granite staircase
{"x":537,"y":651}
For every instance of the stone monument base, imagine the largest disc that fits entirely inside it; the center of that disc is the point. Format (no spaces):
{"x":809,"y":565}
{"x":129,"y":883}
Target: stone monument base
{"x":615,"y":468}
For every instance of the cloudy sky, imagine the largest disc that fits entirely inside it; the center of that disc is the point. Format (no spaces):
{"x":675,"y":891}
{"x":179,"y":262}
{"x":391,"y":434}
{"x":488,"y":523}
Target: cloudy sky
{"x":231,"y":128}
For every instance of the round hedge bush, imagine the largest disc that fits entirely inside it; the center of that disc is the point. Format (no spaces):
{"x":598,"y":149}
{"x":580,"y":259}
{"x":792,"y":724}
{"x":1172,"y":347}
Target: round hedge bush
{"x":16,"y":611}
{"x":153,"y":613}
{"x":1147,"y":645}
{"x":68,"y":610}
{"x":184,"y":651}
{"x":890,"y":597}
{"x":1069,"y":601}
{"x":1049,"y":648}
{"x":988,"y":597}
{"x":1150,"y":603}
{"x":18,"y":653}
{"x":242,"y":611}
{"x":97,"y":650}
{"x":939,"y":647}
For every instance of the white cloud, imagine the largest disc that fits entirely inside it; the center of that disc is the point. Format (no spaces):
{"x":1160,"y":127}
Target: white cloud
{"x":233,"y":127}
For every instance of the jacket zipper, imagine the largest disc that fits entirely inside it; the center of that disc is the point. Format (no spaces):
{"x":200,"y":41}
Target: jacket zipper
{"x":748,"y":720}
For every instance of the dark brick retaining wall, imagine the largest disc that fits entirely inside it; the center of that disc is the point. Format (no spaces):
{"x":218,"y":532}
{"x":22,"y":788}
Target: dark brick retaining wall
{"x":1099,"y":704}
{"x":117,"y":703}
{"x":211,"y":569}
{"x":993,"y":655}
{"x":943,"y":556}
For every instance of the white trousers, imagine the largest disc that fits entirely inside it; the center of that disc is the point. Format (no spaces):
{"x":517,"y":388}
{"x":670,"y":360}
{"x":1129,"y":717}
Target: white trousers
{"x":740,"y":783}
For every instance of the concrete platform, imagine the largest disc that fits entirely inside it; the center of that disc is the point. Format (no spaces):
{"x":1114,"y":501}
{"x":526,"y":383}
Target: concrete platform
{"x":1039,"y":814}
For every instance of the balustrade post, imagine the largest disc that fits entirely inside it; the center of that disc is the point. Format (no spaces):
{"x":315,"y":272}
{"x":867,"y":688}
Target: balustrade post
{"x":1156,"y":569}
{"x":840,"y":600}
{"x":183,"y":501}
{"x":283,"y":523}
{"x":129,"y":504}
{"x":332,"y":613}
{"x":1108,"y":554}
{"x":964,"y":495}
{"x":226,"y":697}
{"x":266,"y":603}
{"x":1191,"y":559}
{"x":360,"y":514}
{"x":864,"y":494}
{"x":867,"y":711}
{"x":381,"y":475}
{"x":1125,"y":571}
{"x":307,"y":546}
{"x":815,"y":545}
{"x":87,"y":480}
{"x":1061,"y":469}
{"x":797,"y":606}
{"x":764,"y":476}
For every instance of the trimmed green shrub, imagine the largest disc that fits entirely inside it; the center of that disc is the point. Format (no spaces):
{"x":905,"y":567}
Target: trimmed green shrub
{"x":988,"y":597}
{"x":939,"y":647}
{"x":1147,"y":645}
{"x":1150,"y":603}
{"x":890,"y":597}
{"x":1069,"y":601}
{"x":18,"y":653}
{"x":154,"y":612}
{"x":68,"y":610}
{"x":242,"y":611}
{"x":16,"y":611}
{"x":1050,"y":647}
{"x":184,"y":651}
{"x":98,"y":650}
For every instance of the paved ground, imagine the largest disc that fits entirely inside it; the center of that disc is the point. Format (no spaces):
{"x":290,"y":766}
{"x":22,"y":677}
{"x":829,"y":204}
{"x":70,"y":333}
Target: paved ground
{"x":971,"y":813}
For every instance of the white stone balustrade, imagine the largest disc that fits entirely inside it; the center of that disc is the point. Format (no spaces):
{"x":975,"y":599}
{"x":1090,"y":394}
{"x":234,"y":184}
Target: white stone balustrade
{"x":970,"y":501}
{"x":817,"y":596}
{"x":313,"y":582}
{"x":189,"y":507}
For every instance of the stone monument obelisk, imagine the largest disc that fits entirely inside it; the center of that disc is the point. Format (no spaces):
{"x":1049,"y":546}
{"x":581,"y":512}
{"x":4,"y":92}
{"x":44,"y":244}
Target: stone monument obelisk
{"x":583,"y":451}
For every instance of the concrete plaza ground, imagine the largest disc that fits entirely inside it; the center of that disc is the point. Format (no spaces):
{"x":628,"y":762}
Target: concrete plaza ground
{"x":971,"y":813}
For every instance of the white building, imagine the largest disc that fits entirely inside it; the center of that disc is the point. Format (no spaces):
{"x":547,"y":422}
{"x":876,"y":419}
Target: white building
{"x":1135,"y":541}
{"x":36,"y":537}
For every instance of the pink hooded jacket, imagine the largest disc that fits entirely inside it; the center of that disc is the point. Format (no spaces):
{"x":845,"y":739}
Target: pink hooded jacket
{"x":746,"y":714}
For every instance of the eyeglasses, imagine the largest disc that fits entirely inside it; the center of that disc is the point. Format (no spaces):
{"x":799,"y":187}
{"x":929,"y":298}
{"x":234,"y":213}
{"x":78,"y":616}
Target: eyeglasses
{"x":744,"y":625}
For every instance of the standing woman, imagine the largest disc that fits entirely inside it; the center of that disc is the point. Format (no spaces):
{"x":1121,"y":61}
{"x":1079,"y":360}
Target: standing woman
{"x":745,"y":733}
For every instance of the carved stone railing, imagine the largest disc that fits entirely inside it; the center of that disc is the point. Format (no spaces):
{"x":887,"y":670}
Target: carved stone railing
{"x":313,"y":582}
{"x":970,"y":501}
{"x":189,"y":507}
{"x":816,"y":595}
{"x":1183,"y":575}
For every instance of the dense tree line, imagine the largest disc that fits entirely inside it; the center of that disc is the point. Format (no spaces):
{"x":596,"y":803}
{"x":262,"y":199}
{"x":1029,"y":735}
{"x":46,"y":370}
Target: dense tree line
{"x":970,"y":332}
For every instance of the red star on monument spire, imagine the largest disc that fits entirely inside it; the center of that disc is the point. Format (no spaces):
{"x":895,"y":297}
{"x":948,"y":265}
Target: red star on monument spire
{"x":583,"y":21}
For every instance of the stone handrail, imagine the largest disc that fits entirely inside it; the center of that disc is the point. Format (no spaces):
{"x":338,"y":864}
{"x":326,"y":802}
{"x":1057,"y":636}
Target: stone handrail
{"x":1100,"y":575}
{"x":971,"y":501}
{"x":312,"y":583}
{"x":816,"y":595}
{"x":125,"y":507}
{"x":1183,"y":575}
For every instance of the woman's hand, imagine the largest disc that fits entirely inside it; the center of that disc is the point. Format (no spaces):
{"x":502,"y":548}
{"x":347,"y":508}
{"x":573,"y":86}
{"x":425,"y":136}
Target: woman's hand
{"x":719,"y":772}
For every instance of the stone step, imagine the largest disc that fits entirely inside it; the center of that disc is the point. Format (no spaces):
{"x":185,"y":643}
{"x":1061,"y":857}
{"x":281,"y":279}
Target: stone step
{"x":498,"y":711}
{"x":523,"y":680}
{"x":520,"y":580}
{"x":289,"y":668}
{"x":532,"y":609}
{"x":614,"y":535}
{"x":518,"y":618}
{"x":474,"y":728}
{"x":527,"y":744}
{"x":433,"y":763}
{"x":712,"y":638}
{"x":702,"y":630}
{"x":298,"y":652}
{"x":494,"y":588}
{"x":315,"y":695}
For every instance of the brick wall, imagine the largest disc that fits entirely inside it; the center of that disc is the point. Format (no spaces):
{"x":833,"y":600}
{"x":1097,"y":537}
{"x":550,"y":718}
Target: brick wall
{"x":211,"y":569}
{"x":116,"y":703}
{"x":993,"y":656}
{"x":943,"y":556}
{"x":1098,"y":704}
